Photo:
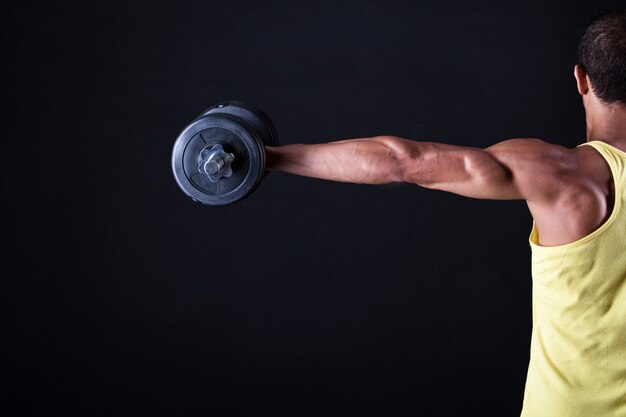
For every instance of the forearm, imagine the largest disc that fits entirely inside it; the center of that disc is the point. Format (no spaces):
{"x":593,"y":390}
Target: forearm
{"x":376,"y":160}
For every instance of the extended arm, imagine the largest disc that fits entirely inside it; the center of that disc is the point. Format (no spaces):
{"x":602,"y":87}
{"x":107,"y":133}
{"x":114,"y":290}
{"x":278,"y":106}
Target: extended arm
{"x":503,"y":171}
{"x":568,"y":191}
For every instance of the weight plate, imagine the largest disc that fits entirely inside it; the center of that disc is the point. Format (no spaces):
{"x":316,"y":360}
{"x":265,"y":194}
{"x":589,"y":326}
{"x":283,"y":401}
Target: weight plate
{"x":252,"y":115}
{"x":238,"y":138}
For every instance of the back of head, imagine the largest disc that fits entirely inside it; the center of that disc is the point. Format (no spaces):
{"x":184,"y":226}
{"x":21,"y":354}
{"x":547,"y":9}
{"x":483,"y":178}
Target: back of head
{"x":602,"y":53}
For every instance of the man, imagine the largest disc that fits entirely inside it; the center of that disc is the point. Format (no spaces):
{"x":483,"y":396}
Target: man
{"x":577,"y":198}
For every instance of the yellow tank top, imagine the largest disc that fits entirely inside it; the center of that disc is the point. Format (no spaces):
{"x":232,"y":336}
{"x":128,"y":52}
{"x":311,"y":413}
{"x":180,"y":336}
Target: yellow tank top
{"x":578,"y":347}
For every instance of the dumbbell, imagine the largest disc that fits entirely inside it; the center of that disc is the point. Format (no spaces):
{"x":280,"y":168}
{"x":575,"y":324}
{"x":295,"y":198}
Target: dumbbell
{"x":219,"y":158}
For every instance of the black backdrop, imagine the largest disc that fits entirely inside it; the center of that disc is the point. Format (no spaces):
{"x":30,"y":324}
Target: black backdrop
{"x":123,"y":297}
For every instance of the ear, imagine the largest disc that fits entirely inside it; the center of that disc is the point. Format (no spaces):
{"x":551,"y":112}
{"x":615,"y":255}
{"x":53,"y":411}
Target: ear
{"x":581,"y":79}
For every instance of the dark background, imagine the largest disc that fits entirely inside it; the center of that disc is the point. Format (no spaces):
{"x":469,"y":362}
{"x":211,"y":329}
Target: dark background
{"x":123,"y":297}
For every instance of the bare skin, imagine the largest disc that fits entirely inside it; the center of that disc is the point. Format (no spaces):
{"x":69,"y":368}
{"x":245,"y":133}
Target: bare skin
{"x":569,"y":192}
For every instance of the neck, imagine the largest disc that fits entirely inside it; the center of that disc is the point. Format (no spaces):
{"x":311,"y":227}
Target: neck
{"x":606,"y":122}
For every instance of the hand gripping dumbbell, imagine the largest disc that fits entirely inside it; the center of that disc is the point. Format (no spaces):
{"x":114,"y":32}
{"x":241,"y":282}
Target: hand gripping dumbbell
{"x":219,"y":158}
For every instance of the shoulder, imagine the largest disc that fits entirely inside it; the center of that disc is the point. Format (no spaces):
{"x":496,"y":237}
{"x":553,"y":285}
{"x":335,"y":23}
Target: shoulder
{"x":546,"y":172}
{"x":541,"y":170}
{"x":559,"y":158}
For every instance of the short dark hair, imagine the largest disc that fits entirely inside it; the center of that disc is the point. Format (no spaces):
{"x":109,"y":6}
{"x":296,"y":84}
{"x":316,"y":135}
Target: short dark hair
{"x":602,"y":53}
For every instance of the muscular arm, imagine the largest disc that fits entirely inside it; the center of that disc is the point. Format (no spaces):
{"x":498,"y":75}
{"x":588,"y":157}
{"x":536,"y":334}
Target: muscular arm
{"x":567,"y":191}
{"x":527,"y":169}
